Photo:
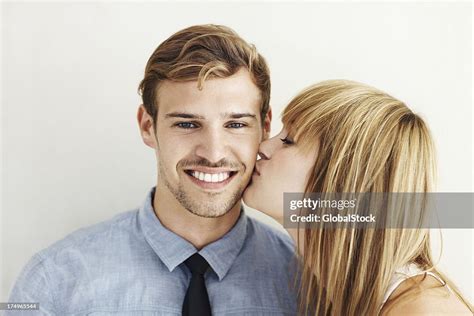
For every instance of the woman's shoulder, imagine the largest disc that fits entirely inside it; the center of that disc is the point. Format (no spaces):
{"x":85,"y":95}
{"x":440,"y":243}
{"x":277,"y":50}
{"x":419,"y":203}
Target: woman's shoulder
{"x":434,"y":298}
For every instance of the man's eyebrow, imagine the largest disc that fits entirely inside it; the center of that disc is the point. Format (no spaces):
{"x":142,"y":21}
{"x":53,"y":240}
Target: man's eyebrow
{"x":235,"y":115}
{"x":183,"y":115}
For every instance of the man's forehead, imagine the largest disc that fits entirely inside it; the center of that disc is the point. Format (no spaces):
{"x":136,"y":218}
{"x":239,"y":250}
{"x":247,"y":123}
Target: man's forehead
{"x":223,"y":97}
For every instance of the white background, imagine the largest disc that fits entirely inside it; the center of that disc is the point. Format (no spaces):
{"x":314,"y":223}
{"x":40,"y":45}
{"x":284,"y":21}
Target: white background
{"x":71,"y":151}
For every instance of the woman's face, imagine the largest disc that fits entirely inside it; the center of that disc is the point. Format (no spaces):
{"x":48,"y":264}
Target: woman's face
{"x":283,"y":167}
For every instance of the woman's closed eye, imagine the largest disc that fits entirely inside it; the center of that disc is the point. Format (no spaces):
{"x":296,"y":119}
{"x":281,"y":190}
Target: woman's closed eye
{"x":287,"y":141}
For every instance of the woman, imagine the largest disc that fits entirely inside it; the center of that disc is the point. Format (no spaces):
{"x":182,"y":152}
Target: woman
{"x":343,"y":136}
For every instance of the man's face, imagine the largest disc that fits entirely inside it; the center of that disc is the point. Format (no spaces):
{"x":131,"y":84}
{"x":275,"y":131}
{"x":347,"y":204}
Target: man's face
{"x":207,"y":140}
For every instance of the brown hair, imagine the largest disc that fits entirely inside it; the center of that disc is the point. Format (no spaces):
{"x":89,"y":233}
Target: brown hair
{"x":200,"y":52}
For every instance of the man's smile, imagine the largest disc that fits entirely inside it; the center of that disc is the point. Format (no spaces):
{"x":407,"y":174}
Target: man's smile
{"x":210,"y":178}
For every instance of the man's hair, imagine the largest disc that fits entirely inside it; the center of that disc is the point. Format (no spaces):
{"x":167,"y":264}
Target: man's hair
{"x":200,"y":52}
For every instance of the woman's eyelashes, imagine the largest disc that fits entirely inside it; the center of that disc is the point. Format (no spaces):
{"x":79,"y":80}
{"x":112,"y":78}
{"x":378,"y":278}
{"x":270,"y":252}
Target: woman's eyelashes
{"x":287,"y":141}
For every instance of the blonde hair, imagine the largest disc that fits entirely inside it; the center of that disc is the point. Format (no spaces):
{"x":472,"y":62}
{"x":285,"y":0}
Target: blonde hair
{"x":200,"y":52}
{"x":367,"y":141}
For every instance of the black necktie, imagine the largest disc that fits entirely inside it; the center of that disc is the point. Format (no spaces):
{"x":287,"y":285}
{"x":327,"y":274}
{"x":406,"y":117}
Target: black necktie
{"x":196,"y":301}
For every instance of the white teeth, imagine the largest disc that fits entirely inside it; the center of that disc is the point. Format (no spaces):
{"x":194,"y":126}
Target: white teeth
{"x":211,"y":177}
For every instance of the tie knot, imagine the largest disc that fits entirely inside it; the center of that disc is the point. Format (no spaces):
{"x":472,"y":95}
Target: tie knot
{"x":197,"y":264}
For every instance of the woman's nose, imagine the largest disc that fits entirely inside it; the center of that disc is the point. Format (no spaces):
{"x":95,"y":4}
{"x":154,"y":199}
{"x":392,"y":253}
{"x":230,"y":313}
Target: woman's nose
{"x":264,"y":150}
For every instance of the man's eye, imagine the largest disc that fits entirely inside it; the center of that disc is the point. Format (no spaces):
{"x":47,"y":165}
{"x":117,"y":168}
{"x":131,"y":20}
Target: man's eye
{"x":236,"y":125}
{"x":186,"y":125}
{"x":287,"y":141}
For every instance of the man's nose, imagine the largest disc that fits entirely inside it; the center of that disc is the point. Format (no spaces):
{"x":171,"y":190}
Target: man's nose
{"x":212,"y":146}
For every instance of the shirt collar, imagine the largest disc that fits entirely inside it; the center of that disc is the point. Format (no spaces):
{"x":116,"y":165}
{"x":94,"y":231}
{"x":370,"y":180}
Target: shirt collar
{"x":173,"y":250}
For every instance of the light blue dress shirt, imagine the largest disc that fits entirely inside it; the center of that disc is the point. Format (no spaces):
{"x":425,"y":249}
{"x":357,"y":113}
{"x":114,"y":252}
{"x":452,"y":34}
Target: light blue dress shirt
{"x":132,"y":265}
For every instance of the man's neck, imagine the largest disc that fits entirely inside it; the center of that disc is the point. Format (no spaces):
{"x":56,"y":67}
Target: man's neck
{"x":199,"y":231}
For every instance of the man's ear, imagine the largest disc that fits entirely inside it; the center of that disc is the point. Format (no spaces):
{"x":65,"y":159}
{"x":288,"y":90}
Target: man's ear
{"x":145,"y":123}
{"x":267,"y":124}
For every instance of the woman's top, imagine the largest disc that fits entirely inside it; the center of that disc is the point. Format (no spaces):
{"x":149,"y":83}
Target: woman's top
{"x":406,"y":272}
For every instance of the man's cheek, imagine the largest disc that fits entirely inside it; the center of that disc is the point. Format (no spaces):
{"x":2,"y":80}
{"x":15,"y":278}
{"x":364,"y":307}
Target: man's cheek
{"x":167,"y":159}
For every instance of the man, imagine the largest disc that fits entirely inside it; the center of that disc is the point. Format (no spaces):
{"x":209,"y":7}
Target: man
{"x":190,"y":249}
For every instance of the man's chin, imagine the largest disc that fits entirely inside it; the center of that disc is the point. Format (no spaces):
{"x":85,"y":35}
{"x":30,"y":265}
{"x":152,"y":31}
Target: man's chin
{"x":211,"y":208}
{"x":210,"y":203}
